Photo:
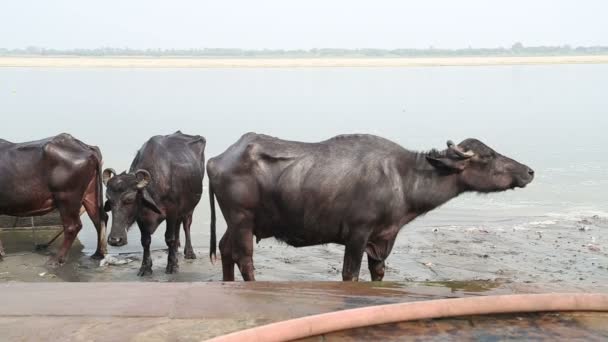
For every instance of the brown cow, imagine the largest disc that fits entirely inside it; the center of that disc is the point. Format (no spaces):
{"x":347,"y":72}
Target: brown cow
{"x":60,"y":173}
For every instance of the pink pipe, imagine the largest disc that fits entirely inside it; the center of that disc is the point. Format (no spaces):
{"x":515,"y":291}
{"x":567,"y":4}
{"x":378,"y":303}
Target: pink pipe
{"x":374,"y":315}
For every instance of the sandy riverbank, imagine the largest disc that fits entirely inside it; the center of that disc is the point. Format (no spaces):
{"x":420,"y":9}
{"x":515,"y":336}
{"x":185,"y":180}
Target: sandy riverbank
{"x":193,"y":62}
{"x":559,"y":253}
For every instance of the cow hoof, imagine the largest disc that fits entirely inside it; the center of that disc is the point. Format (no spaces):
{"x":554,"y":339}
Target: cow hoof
{"x":97,"y":256}
{"x":144,"y":271}
{"x":172,"y":269}
{"x":189,"y":254}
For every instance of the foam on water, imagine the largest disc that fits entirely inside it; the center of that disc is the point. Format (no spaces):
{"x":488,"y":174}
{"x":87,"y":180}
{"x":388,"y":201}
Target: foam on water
{"x":578,"y":214}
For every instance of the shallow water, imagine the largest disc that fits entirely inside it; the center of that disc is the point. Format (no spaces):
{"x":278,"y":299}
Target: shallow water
{"x":551,"y":117}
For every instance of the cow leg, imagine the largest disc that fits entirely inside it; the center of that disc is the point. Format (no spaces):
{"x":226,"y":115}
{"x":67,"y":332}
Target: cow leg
{"x":173,"y":226}
{"x":69,"y":210}
{"x":146,"y":240}
{"x":188,"y":250}
{"x":377,"y":252}
{"x":244,"y":256}
{"x":226,"y":253}
{"x":94,"y":211}
{"x":353,"y":253}
{"x":376,"y":268}
{"x":242,"y":243}
{"x":44,"y":246}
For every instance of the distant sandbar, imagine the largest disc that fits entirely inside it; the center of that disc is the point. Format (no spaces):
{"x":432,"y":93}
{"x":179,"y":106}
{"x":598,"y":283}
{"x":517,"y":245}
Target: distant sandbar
{"x":199,"y":62}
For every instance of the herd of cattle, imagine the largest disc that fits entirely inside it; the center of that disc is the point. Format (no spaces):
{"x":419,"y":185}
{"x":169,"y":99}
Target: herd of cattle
{"x":354,"y":190}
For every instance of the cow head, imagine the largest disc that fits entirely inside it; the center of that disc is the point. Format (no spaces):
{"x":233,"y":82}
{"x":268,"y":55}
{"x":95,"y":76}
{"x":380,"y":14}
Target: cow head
{"x":480,"y":168}
{"x":127,"y":195}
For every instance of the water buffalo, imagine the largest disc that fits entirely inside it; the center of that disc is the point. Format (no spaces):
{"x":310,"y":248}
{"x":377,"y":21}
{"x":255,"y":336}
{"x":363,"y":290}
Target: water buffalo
{"x":60,"y":173}
{"x":354,"y":190}
{"x":165,"y":182}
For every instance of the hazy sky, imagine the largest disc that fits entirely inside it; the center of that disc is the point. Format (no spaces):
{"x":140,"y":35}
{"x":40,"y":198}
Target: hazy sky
{"x":301,"y":24}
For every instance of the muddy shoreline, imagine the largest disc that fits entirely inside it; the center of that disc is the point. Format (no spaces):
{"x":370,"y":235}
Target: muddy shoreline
{"x":571,"y":255}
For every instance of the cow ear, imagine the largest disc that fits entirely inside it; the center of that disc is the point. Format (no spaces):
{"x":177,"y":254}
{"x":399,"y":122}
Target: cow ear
{"x":446,"y":163}
{"x":149,"y":201}
{"x":108,"y":206}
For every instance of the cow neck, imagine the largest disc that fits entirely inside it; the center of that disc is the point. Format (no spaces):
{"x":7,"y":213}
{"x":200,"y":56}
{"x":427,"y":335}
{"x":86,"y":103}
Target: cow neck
{"x":428,"y":188}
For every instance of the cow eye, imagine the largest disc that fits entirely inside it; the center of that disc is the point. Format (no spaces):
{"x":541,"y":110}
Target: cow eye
{"x":128,"y":198}
{"x":488,"y":156}
{"x":484,"y":159}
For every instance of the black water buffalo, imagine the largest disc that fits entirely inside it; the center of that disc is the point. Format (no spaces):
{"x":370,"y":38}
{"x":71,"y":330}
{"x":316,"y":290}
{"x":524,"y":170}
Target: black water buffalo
{"x":60,"y":173}
{"x":354,"y":190}
{"x":165,"y":182}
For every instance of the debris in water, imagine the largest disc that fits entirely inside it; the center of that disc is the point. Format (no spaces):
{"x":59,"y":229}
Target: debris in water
{"x":113,"y":261}
{"x":42,"y":274}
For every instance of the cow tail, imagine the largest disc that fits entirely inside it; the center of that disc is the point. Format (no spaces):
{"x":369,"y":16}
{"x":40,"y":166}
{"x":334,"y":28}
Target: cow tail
{"x":212,"y":242}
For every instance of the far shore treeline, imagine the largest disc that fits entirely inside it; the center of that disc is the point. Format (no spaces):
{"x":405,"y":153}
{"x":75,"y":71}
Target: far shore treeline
{"x":517,"y":49}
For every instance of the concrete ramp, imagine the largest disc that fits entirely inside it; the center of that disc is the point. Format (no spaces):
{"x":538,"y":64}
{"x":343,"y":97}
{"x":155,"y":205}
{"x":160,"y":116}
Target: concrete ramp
{"x":196,"y":311}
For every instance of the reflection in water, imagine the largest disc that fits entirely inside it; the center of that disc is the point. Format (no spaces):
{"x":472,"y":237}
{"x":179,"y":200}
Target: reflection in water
{"x":466,"y":286}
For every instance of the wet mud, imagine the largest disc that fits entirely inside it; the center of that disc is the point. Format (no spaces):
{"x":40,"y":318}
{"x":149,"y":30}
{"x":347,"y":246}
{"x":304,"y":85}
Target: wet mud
{"x":572,"y":254}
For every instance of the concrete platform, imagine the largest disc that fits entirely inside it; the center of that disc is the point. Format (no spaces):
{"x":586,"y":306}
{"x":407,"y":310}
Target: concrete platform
{"x":50,"y":220}
{"x":196,"y":311}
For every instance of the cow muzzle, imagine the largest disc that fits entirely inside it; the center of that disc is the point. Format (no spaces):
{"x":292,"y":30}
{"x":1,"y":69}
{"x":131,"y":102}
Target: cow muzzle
{"x":117,"y":241}
{"x":527,"y":176}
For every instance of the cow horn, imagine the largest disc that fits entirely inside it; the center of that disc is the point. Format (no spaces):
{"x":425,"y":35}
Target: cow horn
{"x":459,"y":151}
{"x":143,"y":178}
{"x":107,"y":174}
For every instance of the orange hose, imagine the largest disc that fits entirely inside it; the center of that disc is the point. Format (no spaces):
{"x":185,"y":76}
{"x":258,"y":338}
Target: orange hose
{"x":374,"y":315}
